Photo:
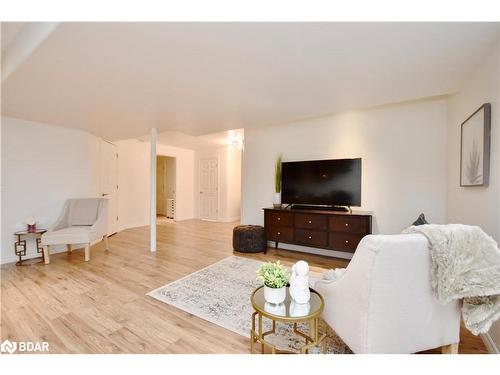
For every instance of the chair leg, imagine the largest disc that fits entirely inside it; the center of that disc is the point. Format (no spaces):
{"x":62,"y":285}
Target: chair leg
{"x":46,"y":254}
{"x":106,"y":243}
{"x":68,"y":248}
{"x":450,"y":349}
{"x":87,"y":252}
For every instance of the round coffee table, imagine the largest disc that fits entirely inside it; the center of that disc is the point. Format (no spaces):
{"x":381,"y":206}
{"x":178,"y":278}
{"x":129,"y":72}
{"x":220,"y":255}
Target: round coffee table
{"x":287,"y":312}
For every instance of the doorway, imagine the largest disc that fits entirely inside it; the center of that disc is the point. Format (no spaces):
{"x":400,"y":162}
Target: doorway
{"x":165,"y":188}
{"x":209,"y":189}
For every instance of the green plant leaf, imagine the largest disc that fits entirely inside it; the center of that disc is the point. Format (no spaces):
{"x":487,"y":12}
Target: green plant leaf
{"x":472,"y":168}
{"x":273,"y":275}
{"x":277,"y":174}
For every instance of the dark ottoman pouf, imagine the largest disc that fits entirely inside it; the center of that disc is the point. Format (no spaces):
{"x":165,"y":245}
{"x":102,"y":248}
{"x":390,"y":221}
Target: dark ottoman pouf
{"x":249,"y":239}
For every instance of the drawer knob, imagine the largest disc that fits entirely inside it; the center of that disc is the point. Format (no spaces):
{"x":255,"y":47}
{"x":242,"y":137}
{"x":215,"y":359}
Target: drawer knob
{"x":279,"y":218}
{"x":310,"y":237}
{"x":310,"y":221}
{"x":279,"y":233}
{"x":346,"y":224}
{"x":346,"y":241}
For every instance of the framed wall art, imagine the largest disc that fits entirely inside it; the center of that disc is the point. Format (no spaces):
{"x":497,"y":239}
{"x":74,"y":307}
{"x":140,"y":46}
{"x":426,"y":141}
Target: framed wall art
{"x":475,"y":148}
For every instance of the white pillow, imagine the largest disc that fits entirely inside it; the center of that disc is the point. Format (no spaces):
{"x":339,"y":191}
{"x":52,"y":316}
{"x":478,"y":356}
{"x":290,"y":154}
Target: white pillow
{"x":333,"y":274}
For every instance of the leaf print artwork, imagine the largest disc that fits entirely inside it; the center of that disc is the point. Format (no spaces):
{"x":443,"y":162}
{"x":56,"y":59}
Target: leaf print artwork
{"x":472,"y":168}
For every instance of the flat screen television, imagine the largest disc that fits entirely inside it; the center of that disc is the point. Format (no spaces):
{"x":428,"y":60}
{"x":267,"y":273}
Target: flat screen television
{"x":322,"y":182}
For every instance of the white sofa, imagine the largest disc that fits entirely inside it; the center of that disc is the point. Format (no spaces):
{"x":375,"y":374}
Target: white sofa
{"x":82,"y":221}
{"x":383,"y":302}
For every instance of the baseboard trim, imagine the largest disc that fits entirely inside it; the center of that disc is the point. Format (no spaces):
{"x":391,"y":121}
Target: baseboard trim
{"x":312,"y":250}
{"x":490,"y":344}
{"x":32,"y":255}
{"x":229,"y":219}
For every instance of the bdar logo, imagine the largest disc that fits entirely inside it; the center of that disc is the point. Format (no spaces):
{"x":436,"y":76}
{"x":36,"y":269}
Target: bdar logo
{"x":8,"y":347}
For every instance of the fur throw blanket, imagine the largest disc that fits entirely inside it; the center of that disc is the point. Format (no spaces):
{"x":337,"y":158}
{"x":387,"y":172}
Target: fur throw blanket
{"x":465,"y":265}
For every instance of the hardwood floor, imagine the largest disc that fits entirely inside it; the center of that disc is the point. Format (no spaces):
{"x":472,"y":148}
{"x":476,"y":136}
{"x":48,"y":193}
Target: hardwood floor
{"x":101,"y":306}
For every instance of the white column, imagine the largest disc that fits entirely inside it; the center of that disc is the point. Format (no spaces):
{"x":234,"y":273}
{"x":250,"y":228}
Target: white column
{"x":152,"y":219}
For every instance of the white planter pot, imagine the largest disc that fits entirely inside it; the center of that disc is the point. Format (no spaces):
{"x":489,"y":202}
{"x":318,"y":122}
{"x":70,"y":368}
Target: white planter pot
{"x":277,"y":200}
{"x":274,"y":295}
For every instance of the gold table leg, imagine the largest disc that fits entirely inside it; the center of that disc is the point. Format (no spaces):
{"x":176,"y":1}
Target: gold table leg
{"x":314,"y":339}
{"x":252,"y":334}
{"x":261,"y":338}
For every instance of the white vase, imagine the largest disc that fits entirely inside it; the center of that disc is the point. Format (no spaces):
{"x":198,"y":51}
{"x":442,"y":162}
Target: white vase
{"x":277,"y":200}
{"x":274,"y":295}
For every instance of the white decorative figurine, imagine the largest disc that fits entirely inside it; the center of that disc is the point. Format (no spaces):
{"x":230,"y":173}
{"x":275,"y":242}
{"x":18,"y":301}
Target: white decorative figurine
{"x":299,"y":282}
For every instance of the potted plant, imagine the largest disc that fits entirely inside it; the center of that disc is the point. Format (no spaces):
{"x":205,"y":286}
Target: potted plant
{"x":277,"y":183}
{"x":275,"y":278}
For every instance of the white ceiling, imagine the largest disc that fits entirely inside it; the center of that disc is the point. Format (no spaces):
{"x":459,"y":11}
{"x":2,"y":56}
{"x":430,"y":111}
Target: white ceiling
{"x":9,"y":31}
{"x":119,"y":79}
{"x":179,"y":139}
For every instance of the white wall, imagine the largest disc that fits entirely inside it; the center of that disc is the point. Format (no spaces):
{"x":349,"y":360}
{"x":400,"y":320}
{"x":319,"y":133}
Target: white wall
{"x":476,"y":205}
{"x":133,"y":181}
{"x":233,"y":183}
{"x":404,"y":160}
{"x":42,"y":166}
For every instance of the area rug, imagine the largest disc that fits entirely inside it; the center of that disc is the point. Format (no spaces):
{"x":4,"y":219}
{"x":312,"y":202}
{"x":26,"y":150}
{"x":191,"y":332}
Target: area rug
{"x":220,"y":294}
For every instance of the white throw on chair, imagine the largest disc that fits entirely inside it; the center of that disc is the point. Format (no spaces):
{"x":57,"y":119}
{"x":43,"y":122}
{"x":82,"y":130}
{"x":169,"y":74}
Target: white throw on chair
{"x":383,"y":302}
{"x":82,"y":221}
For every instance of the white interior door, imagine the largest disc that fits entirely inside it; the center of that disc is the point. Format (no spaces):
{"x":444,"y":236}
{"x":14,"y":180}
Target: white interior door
{"x":209,"y":190}
{"x":109,"y":183}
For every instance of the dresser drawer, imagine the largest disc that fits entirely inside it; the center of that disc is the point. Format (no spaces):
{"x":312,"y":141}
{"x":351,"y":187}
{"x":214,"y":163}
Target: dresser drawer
{"x":279,"y":234}
{"x":311,"y":237}
{"x":344,"y":241}
{"x":349,"y":224}
{"x":310,"y":221}
{"x":279,"y":218}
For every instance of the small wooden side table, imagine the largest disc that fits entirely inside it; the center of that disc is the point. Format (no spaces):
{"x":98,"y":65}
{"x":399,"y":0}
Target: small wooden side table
{"x":287,"y":312}
{"x":20,"y":244}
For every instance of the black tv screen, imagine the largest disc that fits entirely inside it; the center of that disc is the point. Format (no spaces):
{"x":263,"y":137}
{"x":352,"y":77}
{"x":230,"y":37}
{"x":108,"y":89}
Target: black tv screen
{"x":322,"y":182}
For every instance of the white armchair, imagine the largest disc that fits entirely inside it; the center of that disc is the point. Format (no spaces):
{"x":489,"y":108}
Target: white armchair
{"x":383,"y":302}
{"x":82,"y":221}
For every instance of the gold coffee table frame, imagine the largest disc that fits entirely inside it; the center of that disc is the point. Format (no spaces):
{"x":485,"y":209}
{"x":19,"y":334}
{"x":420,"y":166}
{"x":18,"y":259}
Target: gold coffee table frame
{"x":312,"y":318}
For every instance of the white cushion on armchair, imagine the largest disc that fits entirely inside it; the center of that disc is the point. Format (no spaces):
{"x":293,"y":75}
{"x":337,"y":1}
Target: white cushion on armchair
{"x":383,"y":303}
{"x":71,"y":235}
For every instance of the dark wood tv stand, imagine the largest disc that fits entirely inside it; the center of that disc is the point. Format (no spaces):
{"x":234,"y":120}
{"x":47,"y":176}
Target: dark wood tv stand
{"x":332,"y":230}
